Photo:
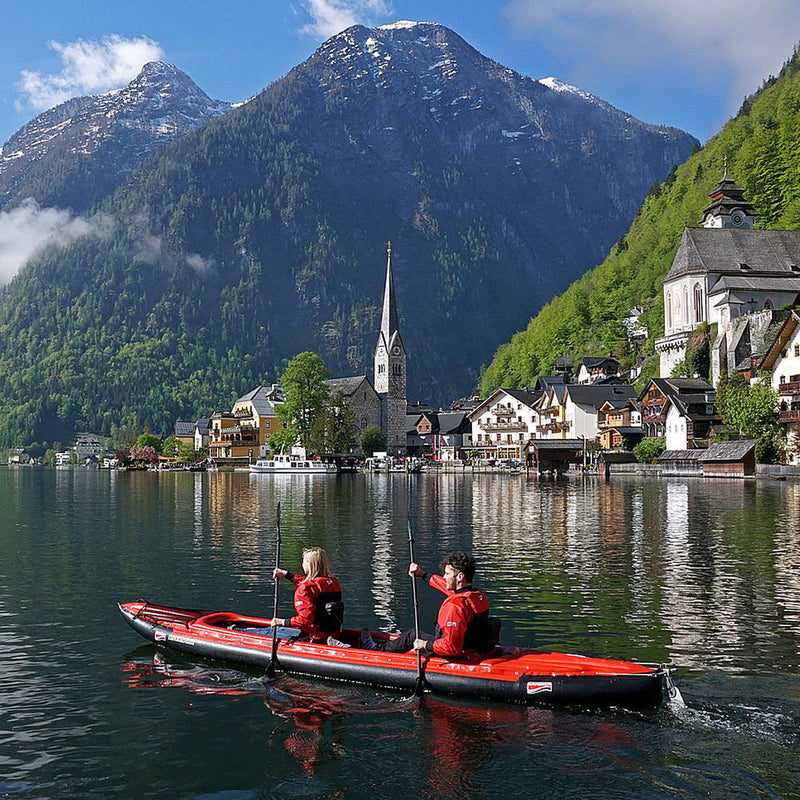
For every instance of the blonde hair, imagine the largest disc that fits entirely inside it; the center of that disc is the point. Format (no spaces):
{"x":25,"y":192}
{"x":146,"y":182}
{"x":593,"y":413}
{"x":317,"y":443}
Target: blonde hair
{"x":318,"y":565}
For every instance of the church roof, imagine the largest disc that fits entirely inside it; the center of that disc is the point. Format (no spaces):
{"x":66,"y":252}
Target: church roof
{"x":743,"y":283}
{"x":727,"y":196}
{"x":347,"y":386}
{"x":737,"y":252}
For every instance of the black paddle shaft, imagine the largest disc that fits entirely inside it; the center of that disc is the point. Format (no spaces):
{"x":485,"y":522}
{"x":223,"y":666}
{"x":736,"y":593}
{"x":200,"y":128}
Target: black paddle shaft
{"x":420,"y":674}
{"x":271,"y":667}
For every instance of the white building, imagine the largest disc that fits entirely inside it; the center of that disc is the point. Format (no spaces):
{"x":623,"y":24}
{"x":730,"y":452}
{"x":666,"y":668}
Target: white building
{"x":88,"y":447}
{"x":723,"y":271}
{"x":503,"y":423}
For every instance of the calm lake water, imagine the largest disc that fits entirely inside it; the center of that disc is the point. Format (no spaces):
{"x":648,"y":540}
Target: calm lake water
{"x":703,"y":574}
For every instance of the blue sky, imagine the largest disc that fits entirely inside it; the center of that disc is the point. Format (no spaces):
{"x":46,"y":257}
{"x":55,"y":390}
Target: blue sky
{"x":675,"y":62}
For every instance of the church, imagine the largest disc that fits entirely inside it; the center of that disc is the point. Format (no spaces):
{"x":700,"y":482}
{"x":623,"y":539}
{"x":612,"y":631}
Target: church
{"x":384,"y":402}
{"x":729,"y":274}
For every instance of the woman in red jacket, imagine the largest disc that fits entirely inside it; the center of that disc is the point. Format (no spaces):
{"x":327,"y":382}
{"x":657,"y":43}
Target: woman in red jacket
{"x":317,"y":599}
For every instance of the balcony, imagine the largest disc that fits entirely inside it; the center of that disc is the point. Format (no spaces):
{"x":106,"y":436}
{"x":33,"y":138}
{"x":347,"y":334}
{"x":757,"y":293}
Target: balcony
{"x":511,"y":425}
{"x":501,"y":410}
{"x":791,"y":388}
{"x":790,"y":416}
{"x":563,"y":425}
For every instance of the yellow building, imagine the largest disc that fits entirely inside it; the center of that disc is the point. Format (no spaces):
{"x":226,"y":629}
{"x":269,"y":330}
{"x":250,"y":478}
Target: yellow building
{"x":244,"y":431}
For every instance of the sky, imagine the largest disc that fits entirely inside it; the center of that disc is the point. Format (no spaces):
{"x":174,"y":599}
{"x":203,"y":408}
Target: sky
{"x":670,"y":62}
{"x":673,"y":62}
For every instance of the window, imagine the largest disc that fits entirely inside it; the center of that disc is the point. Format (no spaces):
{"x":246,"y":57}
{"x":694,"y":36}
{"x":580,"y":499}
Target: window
{"x":783,"y":379}
{"x":686,"y":303}
{"x":768,"y":305}
{"x":797,"y":349}
{"x":698,"y":303}
{"x":669,"y":310}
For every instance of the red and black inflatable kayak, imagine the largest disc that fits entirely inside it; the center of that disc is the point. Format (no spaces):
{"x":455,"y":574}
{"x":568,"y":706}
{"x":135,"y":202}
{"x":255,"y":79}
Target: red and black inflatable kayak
{"x":509,"y":674}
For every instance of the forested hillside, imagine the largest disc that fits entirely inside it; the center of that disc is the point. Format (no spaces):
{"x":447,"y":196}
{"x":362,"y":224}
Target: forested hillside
{"x":762,"y":146}
{"x":263,"y":234}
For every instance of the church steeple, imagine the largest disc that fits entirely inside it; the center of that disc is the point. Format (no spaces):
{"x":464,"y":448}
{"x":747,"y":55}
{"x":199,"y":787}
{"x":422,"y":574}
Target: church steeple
{"x":389,"y":320}
{"x":729,"y":208}
{"x":390,"y":367}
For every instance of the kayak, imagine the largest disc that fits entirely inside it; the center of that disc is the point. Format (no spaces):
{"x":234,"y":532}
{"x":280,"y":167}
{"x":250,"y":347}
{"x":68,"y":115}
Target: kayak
{"x":510,"y":674}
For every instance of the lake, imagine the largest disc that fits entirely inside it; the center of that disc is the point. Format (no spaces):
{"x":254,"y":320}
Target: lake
{"x":704,"y":574}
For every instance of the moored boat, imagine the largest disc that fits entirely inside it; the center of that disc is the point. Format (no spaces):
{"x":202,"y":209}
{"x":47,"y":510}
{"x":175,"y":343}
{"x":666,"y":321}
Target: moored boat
{"x":292,"y":464}
{"x":508,"y":674}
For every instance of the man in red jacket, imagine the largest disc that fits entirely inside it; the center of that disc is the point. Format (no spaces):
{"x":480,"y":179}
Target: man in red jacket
{"x":462,"y":626}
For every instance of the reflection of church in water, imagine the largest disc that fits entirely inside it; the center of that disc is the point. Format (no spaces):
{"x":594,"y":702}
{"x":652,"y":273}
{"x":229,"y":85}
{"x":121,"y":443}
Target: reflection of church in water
{"x":384,"y":402}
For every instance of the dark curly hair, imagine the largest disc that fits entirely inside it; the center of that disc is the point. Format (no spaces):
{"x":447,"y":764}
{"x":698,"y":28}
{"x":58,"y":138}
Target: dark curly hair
{"x":460,"y":562}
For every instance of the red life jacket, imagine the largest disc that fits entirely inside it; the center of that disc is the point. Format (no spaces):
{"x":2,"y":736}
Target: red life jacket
{"x":462,"y":626}
{"x":318,"y":602}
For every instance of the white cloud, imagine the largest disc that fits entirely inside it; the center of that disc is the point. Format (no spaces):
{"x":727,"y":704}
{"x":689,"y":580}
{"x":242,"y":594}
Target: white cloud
{"x":28,"y":229}
{"x":734,"y":46}
{"x":329,"y":17}
{"x":202,"y":266}
{"x":88,"y":68}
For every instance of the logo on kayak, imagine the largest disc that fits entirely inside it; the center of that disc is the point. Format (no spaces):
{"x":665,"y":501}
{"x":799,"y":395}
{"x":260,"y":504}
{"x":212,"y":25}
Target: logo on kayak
{"x":539,"y":687}
{"x":160,"y":636}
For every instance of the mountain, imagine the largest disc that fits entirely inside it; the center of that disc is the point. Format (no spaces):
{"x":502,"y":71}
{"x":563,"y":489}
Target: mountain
{"x":77,"y":153}
{"x":760,"y":146}
{"x":262,"y":233}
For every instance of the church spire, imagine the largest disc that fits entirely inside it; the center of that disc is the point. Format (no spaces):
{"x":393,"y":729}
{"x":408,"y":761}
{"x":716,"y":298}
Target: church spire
{"x":389,"y":320}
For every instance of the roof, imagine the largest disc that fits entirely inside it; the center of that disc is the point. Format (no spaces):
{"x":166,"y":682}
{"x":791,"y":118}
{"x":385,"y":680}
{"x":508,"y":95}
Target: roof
{"x":184,"y":430}
{"x":670,"y":387}
{"x":590,"y":361}
{"x":625,"y":430}
{"x":347,"y":386}
{"x":528,"y":398}
{"x":258,"y":399}
{"x":722,"y":250}
{"x":681,"y":455}
{"x":203,"y":424}
{"x":558,"y":444}
{"x":617,"y":456}
{"x":778,"y":345}
{"x":736,"y":450}
{"x":592,"y":394}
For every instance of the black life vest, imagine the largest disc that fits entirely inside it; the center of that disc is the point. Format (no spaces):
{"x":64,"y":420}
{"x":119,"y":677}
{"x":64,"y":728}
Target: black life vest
{"x":328,"y":608}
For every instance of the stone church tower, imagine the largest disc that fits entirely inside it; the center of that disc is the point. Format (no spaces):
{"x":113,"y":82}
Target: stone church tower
{"x":390,"y":369}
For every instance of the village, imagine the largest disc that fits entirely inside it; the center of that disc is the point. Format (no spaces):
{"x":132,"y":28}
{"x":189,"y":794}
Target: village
{"x":740,"y":283}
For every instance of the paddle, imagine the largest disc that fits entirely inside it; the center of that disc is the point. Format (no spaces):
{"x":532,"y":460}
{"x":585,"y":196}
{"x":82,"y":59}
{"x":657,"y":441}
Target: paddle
{"x":274,"y":657}
{"x":420,"y":673}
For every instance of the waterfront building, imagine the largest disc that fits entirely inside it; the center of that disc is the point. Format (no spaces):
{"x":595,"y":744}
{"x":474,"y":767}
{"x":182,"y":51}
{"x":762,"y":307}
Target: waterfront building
{"x":503,"y":423}
{"x":782,"y":362}
{"x":244,"y":431}
{"x":696,"y":394}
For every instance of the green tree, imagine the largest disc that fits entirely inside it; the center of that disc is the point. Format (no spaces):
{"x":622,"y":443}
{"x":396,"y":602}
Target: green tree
{"x":283,"y":440}
{"x":150,"y":440}
{"x":334,"y":430}
{"x":305,"y":393}
{"x":649,"y":449}
{"x":372,"y":440}
{"x":750,"y":410}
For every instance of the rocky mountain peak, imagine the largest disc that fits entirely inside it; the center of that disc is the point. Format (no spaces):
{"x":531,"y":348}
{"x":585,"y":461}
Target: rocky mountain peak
{"x":94,"y":141}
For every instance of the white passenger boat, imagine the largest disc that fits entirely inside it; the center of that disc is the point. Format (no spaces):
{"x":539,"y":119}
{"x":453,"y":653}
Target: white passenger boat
{"x":292,"y":464}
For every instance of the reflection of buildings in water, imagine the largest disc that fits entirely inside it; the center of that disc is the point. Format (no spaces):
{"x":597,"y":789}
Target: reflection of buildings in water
{"x":787,"y":564}
{"x":382,"y":574}
{"x":199,"y":482}
{"x":705,"y":596}
{"x":640,"y":615}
